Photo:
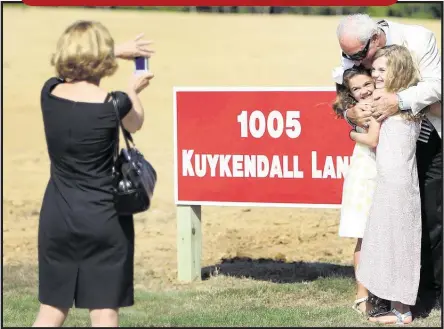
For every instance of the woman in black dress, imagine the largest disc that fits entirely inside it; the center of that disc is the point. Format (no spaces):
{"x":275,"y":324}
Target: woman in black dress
{"x":85,"y":249}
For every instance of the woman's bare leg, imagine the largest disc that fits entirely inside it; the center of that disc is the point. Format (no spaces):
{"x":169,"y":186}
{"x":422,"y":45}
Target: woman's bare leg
{"x":106,"y":317}
{"x":50,"y":316}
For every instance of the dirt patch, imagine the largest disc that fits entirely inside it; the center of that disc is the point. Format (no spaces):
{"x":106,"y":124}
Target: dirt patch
{"x":192,"y":49}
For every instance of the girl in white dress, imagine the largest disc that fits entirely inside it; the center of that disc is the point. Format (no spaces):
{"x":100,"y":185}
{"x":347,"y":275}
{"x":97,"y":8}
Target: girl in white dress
{"x":391,"y":248}
{"x":360,"y":180}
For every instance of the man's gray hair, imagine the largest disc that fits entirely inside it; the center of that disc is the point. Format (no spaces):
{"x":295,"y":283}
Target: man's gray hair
{"x":360,"y":26}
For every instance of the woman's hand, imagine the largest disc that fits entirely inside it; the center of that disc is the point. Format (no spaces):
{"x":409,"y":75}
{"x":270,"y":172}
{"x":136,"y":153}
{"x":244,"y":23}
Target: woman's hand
{"x":133,"y":121}
{"x":139,"y":81}
{"x":134,"y":48}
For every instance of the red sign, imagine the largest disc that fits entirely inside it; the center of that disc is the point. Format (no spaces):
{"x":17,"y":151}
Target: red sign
{"x":259,"y":146}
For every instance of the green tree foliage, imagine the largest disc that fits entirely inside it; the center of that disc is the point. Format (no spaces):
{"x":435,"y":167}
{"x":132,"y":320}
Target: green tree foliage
{"x":407,"y":10}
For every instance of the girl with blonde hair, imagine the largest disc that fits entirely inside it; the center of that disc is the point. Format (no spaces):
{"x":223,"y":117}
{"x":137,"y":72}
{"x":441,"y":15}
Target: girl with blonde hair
{"x":391,"y":250}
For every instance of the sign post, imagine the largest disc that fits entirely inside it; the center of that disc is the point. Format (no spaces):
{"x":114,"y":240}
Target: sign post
{"x":189,"y":243}
{"x":274,"y":147}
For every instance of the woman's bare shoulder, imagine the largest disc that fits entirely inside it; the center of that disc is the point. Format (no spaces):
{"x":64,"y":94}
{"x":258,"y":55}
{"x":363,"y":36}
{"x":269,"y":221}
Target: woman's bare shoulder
{"x":80,"y":92}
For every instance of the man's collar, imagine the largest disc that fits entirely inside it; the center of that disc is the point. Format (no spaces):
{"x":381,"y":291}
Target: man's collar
{"x":384,"y":26}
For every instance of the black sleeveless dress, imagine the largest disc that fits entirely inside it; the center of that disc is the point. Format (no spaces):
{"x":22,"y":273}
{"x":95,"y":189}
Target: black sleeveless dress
{"x":85,"y":249}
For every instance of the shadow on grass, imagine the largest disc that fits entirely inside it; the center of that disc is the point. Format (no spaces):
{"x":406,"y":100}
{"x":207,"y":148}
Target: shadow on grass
{"x":276,"y":271}
{"x":281,"y":272}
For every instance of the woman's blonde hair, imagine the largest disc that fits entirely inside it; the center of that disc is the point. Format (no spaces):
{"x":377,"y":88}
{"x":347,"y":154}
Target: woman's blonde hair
{"x":85,"y":51}
{"x":402,"y":73}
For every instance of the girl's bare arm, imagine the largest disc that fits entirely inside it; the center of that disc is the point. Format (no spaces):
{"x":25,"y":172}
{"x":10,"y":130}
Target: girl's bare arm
{"x":369,"y":138}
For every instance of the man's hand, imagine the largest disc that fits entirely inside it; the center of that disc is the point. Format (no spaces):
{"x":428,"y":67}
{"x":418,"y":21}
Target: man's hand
{"x":134,"y":48}
{"x":384,"y":105}
{"x":360,"y":114}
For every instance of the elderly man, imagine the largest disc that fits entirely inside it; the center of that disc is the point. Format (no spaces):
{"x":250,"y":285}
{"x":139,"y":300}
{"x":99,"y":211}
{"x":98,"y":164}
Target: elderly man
{"x":359,"y":38}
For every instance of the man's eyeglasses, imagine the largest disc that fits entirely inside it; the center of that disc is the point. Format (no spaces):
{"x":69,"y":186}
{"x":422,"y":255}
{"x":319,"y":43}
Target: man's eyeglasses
{"x":360,"y":54}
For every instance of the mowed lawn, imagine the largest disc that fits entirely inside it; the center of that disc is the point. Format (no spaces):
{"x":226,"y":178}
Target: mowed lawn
{"x":191,"y":50}
{"x":217,"y":301}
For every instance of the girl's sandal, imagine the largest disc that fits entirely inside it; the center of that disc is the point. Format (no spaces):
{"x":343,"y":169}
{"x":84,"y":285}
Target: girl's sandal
{"x":358,"y":302}
{"x":400,"y":318}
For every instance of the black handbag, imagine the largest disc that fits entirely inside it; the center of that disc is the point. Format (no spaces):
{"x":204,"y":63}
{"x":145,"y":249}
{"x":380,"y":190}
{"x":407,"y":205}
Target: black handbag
{"x":134,"y":178}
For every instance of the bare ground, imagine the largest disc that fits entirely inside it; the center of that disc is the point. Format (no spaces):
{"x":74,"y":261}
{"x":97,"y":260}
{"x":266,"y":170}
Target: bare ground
{"x":192,"y":49}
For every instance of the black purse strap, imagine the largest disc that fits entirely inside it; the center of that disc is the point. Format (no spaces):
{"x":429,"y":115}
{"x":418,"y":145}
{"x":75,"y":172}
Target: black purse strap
{"x":126,"y":135}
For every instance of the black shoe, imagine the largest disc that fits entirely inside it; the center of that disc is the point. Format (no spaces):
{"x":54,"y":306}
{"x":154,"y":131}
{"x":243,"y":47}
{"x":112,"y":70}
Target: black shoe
{"x":380,"y":306}
{"x":425,"y":302}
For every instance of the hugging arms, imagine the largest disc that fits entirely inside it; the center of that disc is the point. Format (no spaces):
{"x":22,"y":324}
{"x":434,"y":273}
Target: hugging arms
{"x":414,"y":98}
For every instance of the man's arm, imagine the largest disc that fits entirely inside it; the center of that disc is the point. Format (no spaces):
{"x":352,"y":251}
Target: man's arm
{"x":436,"y":109}
{"x":428,"y":90}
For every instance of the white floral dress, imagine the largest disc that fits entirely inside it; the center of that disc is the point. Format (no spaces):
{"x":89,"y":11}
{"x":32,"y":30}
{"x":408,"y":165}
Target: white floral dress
{"x":357,"y":192}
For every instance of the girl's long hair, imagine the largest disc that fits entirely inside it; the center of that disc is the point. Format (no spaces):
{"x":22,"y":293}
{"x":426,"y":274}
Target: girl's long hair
{"x":344,"y":98}
{"x":402,"y":73}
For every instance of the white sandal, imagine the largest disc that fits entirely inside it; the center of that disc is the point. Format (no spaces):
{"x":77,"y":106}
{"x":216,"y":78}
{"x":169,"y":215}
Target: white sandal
{"x":358,"y":302}
{"x":400,"y":317}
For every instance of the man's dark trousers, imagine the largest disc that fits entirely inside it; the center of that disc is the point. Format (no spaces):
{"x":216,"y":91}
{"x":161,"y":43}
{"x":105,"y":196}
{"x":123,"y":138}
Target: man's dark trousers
{"x":429,"y":159}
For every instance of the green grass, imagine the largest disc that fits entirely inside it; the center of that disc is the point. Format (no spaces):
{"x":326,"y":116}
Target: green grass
{"x":219,"y":301}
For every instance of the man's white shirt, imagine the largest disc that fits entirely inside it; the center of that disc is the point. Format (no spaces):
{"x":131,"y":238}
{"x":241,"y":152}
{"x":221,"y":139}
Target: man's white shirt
{"x":422,"y":45}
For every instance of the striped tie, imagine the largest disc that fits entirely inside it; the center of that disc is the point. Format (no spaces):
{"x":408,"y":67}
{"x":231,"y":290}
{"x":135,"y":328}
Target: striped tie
{"x":426,"y":130}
